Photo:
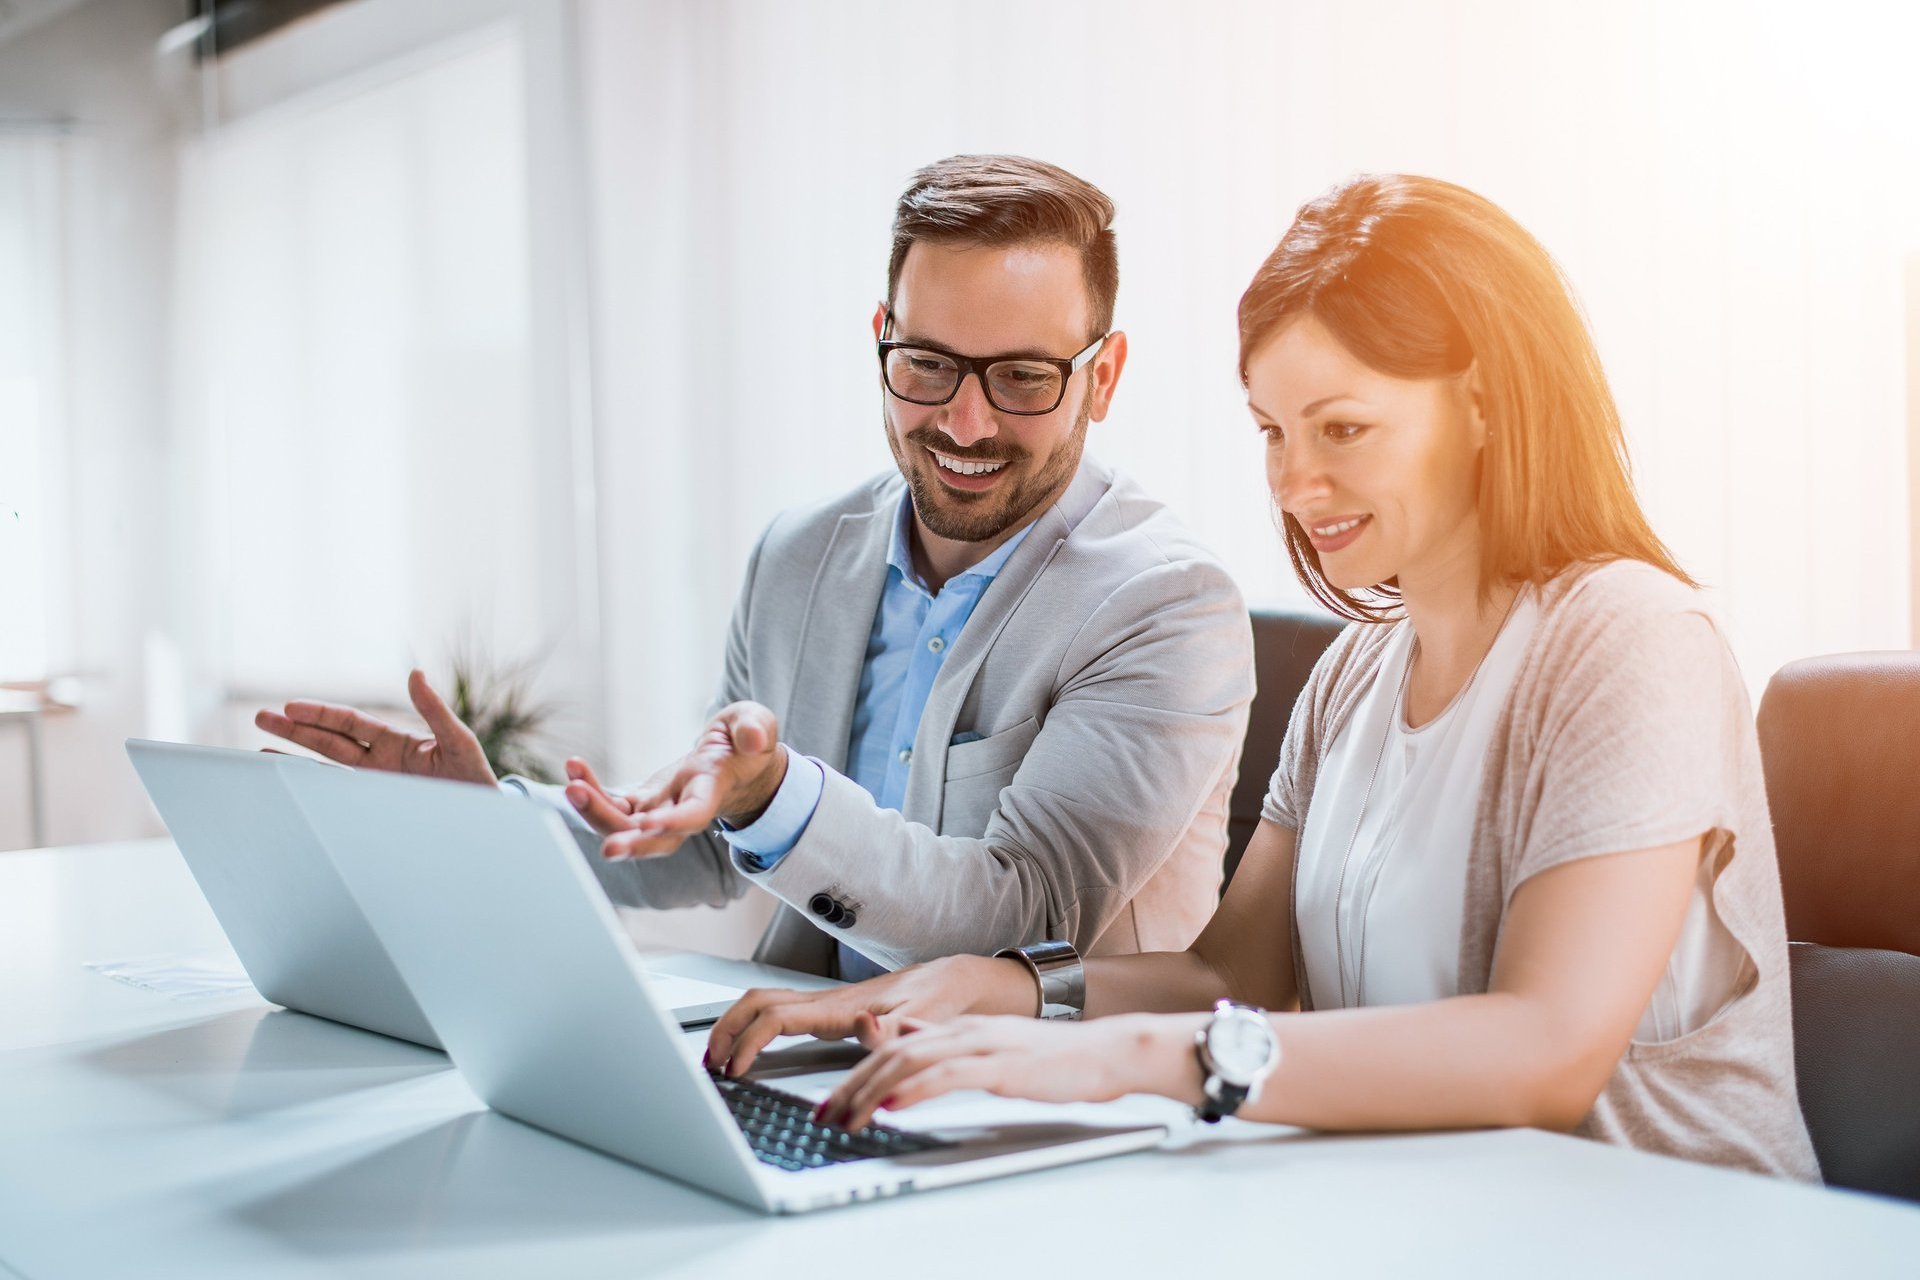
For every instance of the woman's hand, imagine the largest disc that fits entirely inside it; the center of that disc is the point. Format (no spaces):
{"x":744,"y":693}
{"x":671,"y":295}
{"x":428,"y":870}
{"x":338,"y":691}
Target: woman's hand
{"x":1024,"y":1058}
{"x":875,"y":1011}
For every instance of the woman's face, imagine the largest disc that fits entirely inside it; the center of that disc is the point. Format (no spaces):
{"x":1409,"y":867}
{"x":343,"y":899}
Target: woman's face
{"x":1381,"y":472}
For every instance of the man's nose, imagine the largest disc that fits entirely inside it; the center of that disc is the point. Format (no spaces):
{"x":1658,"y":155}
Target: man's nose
{"x":969,"y":418}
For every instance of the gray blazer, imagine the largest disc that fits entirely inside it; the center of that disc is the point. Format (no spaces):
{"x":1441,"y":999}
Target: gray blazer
{"x":1106,"y":672}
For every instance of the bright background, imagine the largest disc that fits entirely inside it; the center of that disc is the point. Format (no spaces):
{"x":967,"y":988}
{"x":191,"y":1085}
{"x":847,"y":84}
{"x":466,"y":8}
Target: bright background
{"x":509,"y":323}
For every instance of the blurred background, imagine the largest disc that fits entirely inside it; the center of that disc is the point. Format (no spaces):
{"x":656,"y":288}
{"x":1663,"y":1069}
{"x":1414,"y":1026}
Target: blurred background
{"x":341,"y":337}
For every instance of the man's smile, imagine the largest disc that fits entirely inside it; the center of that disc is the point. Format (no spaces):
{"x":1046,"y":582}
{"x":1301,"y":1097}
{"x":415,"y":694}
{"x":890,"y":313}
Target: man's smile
{"x":968,"y":475}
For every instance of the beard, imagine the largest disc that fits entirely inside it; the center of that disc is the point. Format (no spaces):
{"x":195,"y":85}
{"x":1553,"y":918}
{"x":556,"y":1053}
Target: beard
{"x":980,"y":517}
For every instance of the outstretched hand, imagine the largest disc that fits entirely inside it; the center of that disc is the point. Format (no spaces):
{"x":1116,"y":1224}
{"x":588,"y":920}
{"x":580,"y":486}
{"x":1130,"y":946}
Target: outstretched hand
{"x":350,"y":737}
{"x":732,"y":772}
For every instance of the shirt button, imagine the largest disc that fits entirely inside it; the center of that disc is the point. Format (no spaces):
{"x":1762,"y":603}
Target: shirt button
{"x":906,"y":755}
{"x":936,"y":644}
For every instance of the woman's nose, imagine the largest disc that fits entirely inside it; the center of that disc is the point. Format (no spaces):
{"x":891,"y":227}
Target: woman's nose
{"x":1295,"y":477}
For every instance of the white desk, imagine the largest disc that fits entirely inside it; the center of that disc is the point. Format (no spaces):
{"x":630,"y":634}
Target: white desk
{"x":143,"y":1136}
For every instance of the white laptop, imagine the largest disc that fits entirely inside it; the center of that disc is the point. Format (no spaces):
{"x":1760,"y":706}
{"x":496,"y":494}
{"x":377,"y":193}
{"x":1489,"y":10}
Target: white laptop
{"x":542,"y":1002}
{"x":297,"y":931}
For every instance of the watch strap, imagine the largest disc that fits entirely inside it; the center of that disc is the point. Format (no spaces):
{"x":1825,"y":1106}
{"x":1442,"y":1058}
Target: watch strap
{"x":1219,"y":1099}
{"x":1059,"y":976}
{"x":1219,"y":1096}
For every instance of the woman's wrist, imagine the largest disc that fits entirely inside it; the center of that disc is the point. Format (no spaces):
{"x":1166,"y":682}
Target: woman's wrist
{"x":1158,"y":1053}
{"x":987,"y":984}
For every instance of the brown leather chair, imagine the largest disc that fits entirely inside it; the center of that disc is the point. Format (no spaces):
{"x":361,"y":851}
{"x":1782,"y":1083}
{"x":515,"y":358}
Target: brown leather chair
{"x":1840,"y":742}
{"x":1286,"y":644}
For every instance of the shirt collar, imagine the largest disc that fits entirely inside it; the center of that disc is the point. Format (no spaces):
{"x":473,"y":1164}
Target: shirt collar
{"x":900,"y":551}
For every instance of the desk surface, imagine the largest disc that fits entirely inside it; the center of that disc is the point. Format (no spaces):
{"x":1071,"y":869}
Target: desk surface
{"x":142,"y":1135}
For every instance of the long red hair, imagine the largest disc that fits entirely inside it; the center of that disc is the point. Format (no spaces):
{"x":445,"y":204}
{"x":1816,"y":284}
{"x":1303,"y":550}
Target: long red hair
{"x":1420,"y":278}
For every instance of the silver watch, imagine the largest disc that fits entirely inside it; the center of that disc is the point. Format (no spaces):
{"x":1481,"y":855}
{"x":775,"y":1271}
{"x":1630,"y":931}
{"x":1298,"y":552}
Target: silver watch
{"x":1237,"y":1051}
{"x":1059,"y":975}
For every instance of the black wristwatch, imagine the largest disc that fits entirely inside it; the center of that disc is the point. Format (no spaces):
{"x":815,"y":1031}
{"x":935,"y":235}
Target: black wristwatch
{"x":1237,"y":1051}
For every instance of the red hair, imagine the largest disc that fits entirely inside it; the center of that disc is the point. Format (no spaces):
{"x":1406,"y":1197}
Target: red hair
{"x":1420,"y":278}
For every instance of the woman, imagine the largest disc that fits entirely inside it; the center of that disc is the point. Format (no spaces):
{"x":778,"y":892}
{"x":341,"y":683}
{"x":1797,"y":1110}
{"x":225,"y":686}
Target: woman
{"x":1515,"y":866}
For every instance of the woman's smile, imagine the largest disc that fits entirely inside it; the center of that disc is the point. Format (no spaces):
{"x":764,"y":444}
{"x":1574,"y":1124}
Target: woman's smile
{"x":1331,"y":535}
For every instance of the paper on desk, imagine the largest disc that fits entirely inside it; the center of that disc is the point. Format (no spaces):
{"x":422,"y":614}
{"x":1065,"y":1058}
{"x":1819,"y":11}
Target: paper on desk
{"x":199,"y":975}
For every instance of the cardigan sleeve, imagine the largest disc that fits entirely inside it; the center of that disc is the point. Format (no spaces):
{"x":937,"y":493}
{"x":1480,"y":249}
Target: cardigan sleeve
{"x":1633,"y":734}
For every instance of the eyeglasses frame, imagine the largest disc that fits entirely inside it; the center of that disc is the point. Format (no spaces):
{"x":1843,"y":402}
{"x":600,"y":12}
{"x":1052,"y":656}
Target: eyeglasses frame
{"x":977,"y":367}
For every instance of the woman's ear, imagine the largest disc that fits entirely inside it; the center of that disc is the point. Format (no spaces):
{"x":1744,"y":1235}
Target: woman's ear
{"x":1474,"y":402}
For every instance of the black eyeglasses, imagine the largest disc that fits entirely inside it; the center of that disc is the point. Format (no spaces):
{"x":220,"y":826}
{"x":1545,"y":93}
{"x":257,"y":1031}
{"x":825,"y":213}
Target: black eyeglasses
{"x":1026,"y":385}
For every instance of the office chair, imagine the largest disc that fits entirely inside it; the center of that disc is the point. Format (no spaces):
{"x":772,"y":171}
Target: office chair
{"x":1286,"y":644}
{"x":1840,"y":743}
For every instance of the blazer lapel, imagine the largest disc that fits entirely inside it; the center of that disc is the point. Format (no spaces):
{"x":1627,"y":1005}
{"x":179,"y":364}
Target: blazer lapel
{"x":927,"y":777}
{"x":833,"y":644}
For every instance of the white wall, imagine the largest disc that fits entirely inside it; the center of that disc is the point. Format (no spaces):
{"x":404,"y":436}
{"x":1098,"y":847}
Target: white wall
{"x":1730,"y":186}
{"x":95,"y":66}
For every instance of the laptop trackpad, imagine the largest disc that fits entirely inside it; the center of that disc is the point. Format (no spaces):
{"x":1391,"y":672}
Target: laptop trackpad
{"x":694,"y":1003}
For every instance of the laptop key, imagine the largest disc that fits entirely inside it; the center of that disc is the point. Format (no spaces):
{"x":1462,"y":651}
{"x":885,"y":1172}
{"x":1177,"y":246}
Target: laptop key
{"x":782,"y":1132}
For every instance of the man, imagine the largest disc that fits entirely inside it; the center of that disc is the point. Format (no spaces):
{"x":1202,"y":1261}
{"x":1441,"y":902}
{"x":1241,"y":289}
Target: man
{"x":991,"y":698}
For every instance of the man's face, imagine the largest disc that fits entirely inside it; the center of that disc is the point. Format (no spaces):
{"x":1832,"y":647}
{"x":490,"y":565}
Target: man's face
{"x":1027,"y":300}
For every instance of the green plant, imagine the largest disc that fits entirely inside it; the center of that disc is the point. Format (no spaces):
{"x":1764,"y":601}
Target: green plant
{"x":497,"y":703}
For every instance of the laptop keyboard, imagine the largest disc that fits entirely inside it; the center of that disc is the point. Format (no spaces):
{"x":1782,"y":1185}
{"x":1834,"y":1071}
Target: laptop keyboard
{"x":782,"y":1131}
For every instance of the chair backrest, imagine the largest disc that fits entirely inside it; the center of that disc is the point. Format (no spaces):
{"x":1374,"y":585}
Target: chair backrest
{"x":1286,"y":644}
{"x":1840,"y":743}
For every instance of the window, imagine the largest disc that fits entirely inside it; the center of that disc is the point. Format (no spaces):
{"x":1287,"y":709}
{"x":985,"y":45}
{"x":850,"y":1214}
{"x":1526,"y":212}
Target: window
{"x":357,"y":266}
{"x":33,"y":402}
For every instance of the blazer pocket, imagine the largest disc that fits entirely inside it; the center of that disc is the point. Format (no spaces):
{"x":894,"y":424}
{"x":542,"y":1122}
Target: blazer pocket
{"x":988,"y":755}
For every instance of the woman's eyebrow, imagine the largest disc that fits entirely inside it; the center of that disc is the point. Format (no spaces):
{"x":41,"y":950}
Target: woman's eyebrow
{"x":1307,"y":412}
{"x":1323,"y":402}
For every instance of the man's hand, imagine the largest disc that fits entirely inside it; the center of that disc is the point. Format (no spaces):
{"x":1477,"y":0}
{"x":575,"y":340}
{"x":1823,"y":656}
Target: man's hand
{"x":732,"y":772}
{"x":875,"y":1011}
{"x":351,"y":737}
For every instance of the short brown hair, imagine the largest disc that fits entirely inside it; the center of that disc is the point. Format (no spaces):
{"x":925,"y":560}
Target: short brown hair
{"x":1000,"y":201}
{"x":1420,"y":278}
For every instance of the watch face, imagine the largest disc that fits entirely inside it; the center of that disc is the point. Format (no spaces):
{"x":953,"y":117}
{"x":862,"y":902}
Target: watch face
{"x":1240,"y":1045}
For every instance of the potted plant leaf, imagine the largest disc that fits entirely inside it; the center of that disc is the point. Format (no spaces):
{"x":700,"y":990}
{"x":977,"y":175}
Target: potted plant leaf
{"x":497,"y":702}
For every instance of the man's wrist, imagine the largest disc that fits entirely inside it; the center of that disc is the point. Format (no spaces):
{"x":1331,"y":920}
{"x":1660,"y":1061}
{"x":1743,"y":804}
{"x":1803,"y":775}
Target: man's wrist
{"x":758,"y":794}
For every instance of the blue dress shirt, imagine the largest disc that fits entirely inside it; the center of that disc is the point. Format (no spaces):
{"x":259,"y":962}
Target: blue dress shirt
{"x":913,"y":631}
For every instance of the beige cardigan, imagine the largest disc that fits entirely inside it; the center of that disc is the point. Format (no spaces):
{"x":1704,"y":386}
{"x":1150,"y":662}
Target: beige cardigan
{"x":1628,"y":727}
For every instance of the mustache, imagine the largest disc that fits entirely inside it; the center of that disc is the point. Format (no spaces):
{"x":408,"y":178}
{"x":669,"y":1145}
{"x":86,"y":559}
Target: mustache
{"x":928,"y":438}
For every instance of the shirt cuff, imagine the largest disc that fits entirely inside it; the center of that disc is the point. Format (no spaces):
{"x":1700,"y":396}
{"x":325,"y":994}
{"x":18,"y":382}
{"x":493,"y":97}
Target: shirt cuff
{"x":759,"y":846}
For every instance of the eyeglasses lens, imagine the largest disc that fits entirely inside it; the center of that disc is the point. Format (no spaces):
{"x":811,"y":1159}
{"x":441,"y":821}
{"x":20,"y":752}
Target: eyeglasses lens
{"x":1014,"y":386}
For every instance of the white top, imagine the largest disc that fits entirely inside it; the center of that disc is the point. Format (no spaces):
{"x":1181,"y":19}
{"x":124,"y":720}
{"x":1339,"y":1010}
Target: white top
{"x":1385,"y":930}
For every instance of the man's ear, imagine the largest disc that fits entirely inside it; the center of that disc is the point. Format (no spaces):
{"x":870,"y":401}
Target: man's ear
{"x":1104,"y":374}
{"x":879,"y":321}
